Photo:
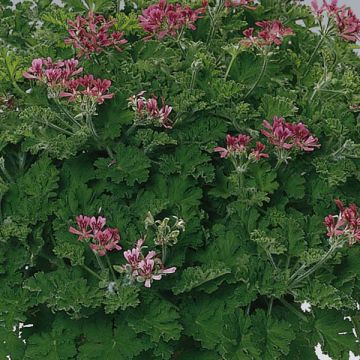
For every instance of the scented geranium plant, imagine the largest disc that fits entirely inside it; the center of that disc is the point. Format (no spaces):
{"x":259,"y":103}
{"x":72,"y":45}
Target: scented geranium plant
{"x":178,"y":179}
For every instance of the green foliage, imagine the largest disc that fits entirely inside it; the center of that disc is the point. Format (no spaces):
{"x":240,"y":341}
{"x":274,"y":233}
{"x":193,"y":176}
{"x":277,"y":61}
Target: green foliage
{"x":255,"y":246}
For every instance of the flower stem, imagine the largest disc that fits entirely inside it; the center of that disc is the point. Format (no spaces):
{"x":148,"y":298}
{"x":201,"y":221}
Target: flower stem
{"x":101,"y":265}
{"x":262,"y":72}
{"x":293,"y":310}
{"x":164,"y":253}
{"x":270,"y":306}
{"x":229,"y":66}
{"x":308,"y":64}
{"x":110,"y":267}
{"x":91,"y":272}
{"x":315,"y":267}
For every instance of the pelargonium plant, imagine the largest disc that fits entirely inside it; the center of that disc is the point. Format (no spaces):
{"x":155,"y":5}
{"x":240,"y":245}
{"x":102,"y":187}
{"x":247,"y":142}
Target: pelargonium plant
{"x":179,"y":180}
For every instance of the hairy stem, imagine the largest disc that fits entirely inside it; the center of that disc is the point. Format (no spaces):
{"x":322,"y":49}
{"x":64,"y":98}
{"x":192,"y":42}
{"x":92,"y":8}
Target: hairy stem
{"x":262,"y":72}
{"x":311,"y":59}
{"x":91,"y":272}
{"x":229,"y":66}
{"x":110,"y":267}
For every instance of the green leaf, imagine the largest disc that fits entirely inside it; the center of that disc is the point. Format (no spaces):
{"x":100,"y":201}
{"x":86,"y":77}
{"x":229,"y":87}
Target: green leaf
{"x":31,"y":197}
{"x":336,"y":335}
{"x":157,"y":318}
{"x":196,"y":276}
{"x":275,"y":335}
{"x":123,"y":298}
{"x":130,"y":165}
{"x":277,"y":106}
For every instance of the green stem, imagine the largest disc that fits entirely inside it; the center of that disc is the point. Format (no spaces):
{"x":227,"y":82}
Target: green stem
{"x":67,"y":132}
{"x":313,"y":55}
{"x":99,"y":261}
{"x":293,"y":310}
{"x":164,"y":253}
{"x":229,"y":67}
{"x":297,"y":272}
{"x":315,"y":267}
{"x":262,"y":72}
{"x":18,"y":89}
{"x":270,"y":306}
{"x":91,"y":272}
{"x":110,"y":267}
{"x":271,"y":260}
{"x":90,"y":124}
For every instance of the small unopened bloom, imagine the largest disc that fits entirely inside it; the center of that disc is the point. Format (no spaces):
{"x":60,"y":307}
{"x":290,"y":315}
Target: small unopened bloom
{"x":93,"y":34}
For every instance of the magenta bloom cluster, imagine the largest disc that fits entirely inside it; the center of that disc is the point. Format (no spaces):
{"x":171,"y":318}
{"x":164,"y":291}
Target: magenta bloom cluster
{"x":346,"y":223}
{"x":237,"y":3}
{"x":272,"y":32}
{"x":148,"y":110}
{"x":165,"y":19}
{"x":142,"y":268}
{"x":285,"y":135}
{"x":92,"y":34}
{"x":239,"y":145}
{"x":93,"y":230}
{"x":52,"y":73}
{"x":347,"y":23}
{"x":97,"y":89}
{"x":61,"y":77}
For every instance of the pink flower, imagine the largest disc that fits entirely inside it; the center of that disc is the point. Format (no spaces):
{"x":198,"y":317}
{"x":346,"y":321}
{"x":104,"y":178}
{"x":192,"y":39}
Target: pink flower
{"x":345,"y":224}
{"x":238,"y":145}
{"x":257,"y":153}
{"x":147,"y":272}
{"x":96,"y":89}
{"x":83,"y":231}
{"x":302,"y":137}
{"x":92,"y":35}
{"x":144,"y":268}
{"x":101,"y":240}
{"x":348,"y":25}
{"x":248,"y":4}
{"x":163,"y":19}
{"x":273,"y":32}
{"x":106,"y":240}
{"x":346,"y":22}
{"x":279,"y":133}
{"x":53,"y":74}
{"x":97,"y":224}
{"x":148,"y":112}
{"x":284,"y":135}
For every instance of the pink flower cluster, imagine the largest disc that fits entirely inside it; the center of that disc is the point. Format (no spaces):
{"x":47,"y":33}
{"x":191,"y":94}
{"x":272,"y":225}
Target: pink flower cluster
{"x":248,"y":4}
{"x":272,"y":32}
{"x":164,"y":19}
{"x":60,"y":78}
{"x":92,"y":229}
{"x":238,"y":146}
{"x":346,"y":223}
{"x":92,"y":35}
{"x":144,"y":268}
{"x":148,"y":112}
{"x":95,"y":89}
{"x":54,"y":74}
{"x":347,"y":23}
{"x":284,"y":135}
